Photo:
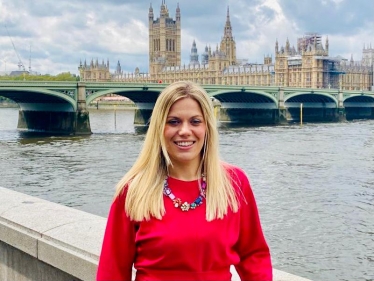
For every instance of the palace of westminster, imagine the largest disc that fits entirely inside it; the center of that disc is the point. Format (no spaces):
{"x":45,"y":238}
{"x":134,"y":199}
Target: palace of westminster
{"x":307,"y":66}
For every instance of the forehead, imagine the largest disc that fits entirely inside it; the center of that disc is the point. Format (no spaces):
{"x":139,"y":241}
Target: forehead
{"x":185,"y":106}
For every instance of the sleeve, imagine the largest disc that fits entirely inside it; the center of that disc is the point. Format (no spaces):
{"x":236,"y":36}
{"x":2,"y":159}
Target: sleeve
{"x":255,"y":261}
{"x":118,"y":249}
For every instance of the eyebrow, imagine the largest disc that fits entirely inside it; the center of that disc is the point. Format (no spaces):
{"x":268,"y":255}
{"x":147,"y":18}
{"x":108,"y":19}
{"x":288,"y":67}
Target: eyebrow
{"x":171,"y":116}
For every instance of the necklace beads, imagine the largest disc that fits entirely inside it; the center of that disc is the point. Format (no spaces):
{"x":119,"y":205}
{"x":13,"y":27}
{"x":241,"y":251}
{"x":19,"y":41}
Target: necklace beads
{"x":177,"y":202}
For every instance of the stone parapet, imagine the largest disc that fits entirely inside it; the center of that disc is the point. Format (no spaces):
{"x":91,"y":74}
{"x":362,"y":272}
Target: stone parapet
{"x":41,"y":240}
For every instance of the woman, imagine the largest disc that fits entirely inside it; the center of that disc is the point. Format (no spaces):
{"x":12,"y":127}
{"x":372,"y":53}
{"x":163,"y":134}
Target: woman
{"x":180,"y":213}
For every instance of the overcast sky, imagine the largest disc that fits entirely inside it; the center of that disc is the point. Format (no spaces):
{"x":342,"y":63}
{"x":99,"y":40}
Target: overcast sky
{"x":61,"y":33}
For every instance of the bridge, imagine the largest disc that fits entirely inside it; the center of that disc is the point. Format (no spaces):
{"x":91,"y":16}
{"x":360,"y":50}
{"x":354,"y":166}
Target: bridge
{"x":61,"y":107}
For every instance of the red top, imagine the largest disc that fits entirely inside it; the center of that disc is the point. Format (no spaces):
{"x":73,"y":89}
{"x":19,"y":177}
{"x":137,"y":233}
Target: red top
{"x":183,"y":245}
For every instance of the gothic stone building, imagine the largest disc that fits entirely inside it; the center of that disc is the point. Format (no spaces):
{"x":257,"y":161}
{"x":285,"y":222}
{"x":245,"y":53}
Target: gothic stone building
{"x":95,"y":71}
{"x":307,"y":66}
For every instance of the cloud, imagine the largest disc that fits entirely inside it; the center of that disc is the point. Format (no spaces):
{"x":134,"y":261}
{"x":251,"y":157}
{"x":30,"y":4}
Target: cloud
{"x":62,"y":33}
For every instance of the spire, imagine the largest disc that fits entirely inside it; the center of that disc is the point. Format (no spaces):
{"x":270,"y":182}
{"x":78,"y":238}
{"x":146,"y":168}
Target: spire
{"x":194,"y":57}
{"x":205,"y":56}
{"x":287,"y":46}
{"x":276,"y":46}
{"x":118,"y":68}
{"x":164,"y":9}
{"x":178,"y":13}
{"x":150,"y":9}
{"x":228,"y":28}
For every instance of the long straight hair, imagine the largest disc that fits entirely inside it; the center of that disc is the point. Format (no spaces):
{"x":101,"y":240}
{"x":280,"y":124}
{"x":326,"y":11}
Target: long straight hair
{"x":144,"y":181}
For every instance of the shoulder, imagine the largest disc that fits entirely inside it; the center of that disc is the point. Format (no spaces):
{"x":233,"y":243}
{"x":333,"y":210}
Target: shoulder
{"x":235,"y":173}
{"x":240,"y":182}
{"x":119,"y":198}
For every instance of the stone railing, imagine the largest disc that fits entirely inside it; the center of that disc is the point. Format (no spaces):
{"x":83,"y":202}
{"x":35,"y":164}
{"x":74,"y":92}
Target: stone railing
{"x":41,"y":240}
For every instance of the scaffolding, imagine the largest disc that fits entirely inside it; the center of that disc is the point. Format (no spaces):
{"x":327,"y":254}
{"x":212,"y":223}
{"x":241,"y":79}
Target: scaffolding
{"x":311,"y":38}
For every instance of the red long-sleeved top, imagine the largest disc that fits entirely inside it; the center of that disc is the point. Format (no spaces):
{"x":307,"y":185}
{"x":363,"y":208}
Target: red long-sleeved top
{"x":183,"y":245}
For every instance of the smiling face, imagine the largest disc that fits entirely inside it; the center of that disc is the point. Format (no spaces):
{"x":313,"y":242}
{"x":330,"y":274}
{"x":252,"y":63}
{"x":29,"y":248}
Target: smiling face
{"x":184,"y":133}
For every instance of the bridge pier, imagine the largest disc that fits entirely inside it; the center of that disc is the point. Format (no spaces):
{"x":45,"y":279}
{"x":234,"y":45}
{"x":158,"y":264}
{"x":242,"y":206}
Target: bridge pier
{"x":340,"y":111}
{"x":281,"y":117}
{"x":82,"y":123}
{"x":340,"y":115}
{"x":142,"y":116}
{"x":82,"y":116}
{"x":143,"y":112}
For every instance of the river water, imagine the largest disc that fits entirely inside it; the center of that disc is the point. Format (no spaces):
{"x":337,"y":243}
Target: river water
{"x":314,"y":184}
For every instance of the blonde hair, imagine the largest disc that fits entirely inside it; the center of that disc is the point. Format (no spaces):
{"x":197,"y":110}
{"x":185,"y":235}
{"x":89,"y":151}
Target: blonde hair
{"x":144,"y":181}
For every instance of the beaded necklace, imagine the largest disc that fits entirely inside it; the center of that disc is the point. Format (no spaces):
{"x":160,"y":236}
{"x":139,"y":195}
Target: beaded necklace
{"x":178,"y":202}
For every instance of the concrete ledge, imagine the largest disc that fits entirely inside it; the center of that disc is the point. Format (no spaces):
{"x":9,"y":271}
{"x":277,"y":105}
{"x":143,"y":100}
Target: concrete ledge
{"x":62,"y":241}
{"x":65,"y":238}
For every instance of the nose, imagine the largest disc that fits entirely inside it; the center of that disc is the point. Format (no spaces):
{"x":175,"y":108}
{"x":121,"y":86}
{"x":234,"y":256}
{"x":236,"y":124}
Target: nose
{"x":184,"y":129}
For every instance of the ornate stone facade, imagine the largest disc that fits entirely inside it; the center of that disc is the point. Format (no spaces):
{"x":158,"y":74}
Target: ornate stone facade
{"x":95,"y":71}
{"x":307,"y":66}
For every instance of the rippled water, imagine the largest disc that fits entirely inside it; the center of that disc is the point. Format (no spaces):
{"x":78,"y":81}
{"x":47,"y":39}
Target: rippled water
{"x":314,"y":184}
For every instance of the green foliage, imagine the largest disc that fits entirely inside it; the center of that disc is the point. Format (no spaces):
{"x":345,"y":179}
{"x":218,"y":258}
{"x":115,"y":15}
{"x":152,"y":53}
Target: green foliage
{"x":64,"y":76}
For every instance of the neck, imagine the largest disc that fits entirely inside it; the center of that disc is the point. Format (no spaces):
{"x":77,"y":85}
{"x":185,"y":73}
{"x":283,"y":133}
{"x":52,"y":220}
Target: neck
{"x":184,"y":172}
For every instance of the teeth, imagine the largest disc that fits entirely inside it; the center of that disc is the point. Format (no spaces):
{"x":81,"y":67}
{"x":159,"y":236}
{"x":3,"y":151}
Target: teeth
{"x":185,"y":143}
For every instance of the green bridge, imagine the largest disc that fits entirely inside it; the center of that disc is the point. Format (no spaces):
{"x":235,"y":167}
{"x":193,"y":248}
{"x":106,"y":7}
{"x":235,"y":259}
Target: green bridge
{"x":61,"y":107}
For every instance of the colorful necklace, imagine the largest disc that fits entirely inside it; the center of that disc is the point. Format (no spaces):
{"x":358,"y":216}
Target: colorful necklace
{"x":178,"y":202}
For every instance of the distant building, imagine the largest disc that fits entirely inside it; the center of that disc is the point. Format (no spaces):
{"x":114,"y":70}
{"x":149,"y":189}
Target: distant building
{"x":310,"y":66}
{"x":307,"y":66}
{"x":18,"y":73}
{"x":94,"y":71}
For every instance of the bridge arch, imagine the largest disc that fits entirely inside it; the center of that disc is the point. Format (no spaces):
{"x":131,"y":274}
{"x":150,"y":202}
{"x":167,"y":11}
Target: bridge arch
{"x":245,"y":98}
{"x":359,"y":106}
{"x":359,"y":100}
{"x":246,"y":106}
{"x":36,"y":99}
{"x":134,"y":94}
{"x":311,"y":99}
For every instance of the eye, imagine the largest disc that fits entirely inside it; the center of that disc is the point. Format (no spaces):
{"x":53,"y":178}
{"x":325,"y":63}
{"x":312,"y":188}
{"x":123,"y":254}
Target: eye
{"x":173,"y":122}
{"x":196,"y":121}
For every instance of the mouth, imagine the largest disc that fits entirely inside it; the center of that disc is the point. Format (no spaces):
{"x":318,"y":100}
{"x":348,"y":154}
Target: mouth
{"x":184,"y":143}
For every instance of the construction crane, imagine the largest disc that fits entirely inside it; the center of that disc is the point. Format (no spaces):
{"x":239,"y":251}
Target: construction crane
{"x":21,"y":66}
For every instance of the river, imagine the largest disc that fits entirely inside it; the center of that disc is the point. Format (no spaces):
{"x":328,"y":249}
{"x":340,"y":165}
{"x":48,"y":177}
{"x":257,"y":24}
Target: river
{"x":314,"y":184}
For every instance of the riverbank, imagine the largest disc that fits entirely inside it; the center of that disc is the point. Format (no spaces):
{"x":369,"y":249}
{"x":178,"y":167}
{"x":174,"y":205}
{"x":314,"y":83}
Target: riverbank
{"x":112,"y":105}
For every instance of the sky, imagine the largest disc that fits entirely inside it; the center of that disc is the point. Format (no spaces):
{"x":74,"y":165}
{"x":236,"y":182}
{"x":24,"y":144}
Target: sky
{"x":56,"y":35}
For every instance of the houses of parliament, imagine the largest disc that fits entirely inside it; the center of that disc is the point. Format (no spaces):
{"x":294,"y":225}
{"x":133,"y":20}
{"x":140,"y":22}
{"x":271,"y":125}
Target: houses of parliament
{"x":307,"y":66}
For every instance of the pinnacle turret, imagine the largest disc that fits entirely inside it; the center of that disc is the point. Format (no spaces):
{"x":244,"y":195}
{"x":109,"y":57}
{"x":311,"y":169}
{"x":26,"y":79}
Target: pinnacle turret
{"x":228,"y":28}
{"x":178,"y":13}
